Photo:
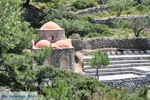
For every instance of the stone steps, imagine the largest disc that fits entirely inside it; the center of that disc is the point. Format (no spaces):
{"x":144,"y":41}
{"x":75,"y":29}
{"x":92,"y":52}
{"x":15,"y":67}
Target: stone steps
{"x":120,"y":64}
{"x":124,"y":61}
{"x":115,"y":73}
{"x":129,"y":61}
{"x":124,"y":57}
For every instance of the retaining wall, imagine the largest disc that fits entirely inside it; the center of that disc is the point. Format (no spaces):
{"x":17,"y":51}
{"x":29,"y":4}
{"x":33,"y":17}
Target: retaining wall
{"x":135,"y":43}
{"x":110,"y":21}
{"x":131,"y":83}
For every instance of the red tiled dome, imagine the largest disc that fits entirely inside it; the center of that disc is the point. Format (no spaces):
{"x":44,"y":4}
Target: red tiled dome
{"x":50,"y":26}
{"x":43,"y":44}
{"x":63,"y":44}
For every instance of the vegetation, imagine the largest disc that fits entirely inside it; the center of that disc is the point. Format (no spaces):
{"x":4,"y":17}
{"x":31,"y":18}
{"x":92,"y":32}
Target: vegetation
{"x":16,"y":67}
{"x":138,"y":26}
{"x":82,"y":4}
{"x":66,"y":85}
{"x":119,"y":5}
{"x":99,"y":60}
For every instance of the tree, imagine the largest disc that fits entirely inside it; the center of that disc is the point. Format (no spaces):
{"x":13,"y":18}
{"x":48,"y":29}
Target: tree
{"x":99,"y":60}
{"x":119,"y":5}
{"x":138,"y":25}
{"x":15,"y":33}
{"x":26,"y":4}
{"x":16,"y":70}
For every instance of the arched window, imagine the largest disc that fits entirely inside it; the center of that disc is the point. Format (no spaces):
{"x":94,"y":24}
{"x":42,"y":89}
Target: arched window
{"x":52,"y":37}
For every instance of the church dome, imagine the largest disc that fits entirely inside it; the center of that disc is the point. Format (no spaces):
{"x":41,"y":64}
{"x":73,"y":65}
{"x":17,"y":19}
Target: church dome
{"x":50,"y":26}
{"x":63,"y":44}
{"x":43,"y":44}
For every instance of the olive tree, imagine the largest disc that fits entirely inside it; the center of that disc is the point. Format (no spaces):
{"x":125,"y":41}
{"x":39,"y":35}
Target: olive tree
{"x":138,"y":25}
{"x":119,"y":5}
{"x":99,"y":60}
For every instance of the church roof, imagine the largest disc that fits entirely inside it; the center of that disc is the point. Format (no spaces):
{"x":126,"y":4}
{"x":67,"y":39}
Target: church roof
{"x":50,"y":26}
{"x":43,"y":44}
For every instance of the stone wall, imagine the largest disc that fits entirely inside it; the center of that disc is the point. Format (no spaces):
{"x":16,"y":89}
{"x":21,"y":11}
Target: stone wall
{"x":109,"y":21}
{"x":91,"y":10}
{"x":63,"y":58}
{"x":48,"y":34}
{"x":135,"y":43}
{"x":60,"y":58}
{"x":131,"y":83}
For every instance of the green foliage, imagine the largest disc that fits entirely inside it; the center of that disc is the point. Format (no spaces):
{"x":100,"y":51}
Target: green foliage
{"x":146,"y":2}
{"x":119,"y":5}
{"x":74,"y":26}
{"x":140,"y":7}
{"x":143,"y":93}
{"x":67,"y":85}
{"x":17,"y":71}
{"x":82,"y":4}
{"x":99,"y":59}
{"x":138,"y":25}
{"x":60,"y":91}
{"x":15,"y":34}
{"x":73,"y":85}
{"x":40,"y":56}
{"x":121,"y":23}
{"x":101,"y":29}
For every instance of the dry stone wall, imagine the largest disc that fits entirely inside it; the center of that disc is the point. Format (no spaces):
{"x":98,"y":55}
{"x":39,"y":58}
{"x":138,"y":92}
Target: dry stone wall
{"x":110,"y":21}
{"x":135,"y":43}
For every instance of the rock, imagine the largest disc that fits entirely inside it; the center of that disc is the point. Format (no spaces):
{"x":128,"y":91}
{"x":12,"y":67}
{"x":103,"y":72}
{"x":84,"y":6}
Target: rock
{"x":125,"y":52}
{"x":136,"y":52}
{"x":147,"y":51}
{"x":118,"y":53}
{"x":130,"y":52}
{"x":112,"y":52}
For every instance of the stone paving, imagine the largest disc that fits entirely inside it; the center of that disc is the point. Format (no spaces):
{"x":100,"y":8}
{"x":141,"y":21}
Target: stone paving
{"x":131,"y":71}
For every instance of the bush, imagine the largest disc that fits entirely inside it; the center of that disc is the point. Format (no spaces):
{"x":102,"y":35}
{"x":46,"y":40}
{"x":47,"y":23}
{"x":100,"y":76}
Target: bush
{"x":146,"y":2}
{"x":68,"y":85}
{"x":141,"y":7}
{"x":74,"y":26}
{"x":101,"y":29}
{"x":119,"y":5}
{"x":121,"y":23}
{"x":82,"y":4}
{"x":74,"y":85}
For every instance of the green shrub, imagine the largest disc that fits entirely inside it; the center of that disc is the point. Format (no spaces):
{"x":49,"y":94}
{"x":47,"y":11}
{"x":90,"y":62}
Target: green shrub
{"x":101,"y":29}
{"x":74,"y":85}
{"x":121,"y":23}
{"x":119,"y":5}
{"x":146,"y":2}
{"x":141,"y":7}
{"x":82,"y":4}
{"x":74,"y":26}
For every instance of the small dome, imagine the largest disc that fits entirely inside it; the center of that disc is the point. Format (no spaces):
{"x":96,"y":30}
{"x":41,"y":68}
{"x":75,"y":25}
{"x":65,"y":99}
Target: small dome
{"x":50,"y":26}
{"x":43,"y":44}
{"x":63,"y":44}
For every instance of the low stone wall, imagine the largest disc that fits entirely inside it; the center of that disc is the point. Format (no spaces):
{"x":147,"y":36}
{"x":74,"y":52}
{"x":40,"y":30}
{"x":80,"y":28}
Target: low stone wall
{"x":135,"y":43}
{"x":109,"y":21}
{"x":132,"y":83}
{"x":91,"y":10}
